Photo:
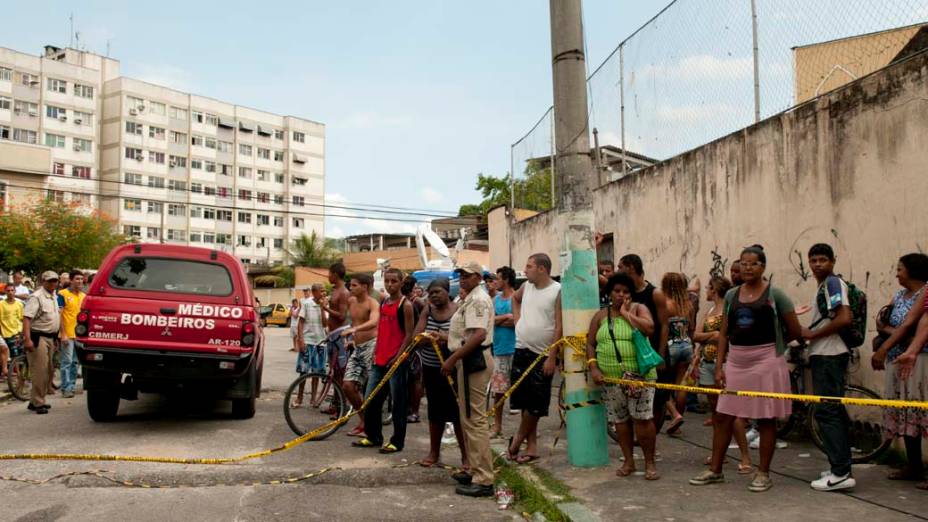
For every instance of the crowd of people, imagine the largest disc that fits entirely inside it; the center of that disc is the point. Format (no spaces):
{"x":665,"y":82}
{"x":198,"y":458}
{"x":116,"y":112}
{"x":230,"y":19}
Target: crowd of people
{"x":492,"y":332}
{"x":40,"y":323}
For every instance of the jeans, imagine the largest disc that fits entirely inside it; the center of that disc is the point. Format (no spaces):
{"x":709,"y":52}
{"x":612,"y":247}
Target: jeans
{"x":399,"y":389}
{"x":68,"y":365}
{"x":829,"y":378}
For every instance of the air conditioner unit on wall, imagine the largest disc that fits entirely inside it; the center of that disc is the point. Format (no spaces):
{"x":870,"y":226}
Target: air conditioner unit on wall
{"x":62,"y":118}
{"x":77,"y":148}
{"x":133,"y":112}
{"x":138,"y":158}
{"x":77,"y":121}
{"x":141,"y":108}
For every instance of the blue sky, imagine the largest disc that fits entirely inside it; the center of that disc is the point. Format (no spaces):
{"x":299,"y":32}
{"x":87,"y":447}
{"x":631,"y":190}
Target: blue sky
{"x":417,"y":96}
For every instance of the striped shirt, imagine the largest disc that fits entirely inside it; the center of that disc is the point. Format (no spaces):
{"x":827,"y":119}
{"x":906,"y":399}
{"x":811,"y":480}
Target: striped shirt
{"x":426,"y":352}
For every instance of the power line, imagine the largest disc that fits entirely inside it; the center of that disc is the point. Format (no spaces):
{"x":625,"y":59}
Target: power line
{"x":254,"y":197}
{"x":227,"y":207}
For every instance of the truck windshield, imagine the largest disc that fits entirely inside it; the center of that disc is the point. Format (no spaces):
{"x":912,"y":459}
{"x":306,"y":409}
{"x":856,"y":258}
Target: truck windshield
{"x":171,"y":275}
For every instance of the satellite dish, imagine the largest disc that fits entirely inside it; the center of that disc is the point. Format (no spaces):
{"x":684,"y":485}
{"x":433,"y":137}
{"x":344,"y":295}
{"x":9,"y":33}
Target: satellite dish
{"x":420,"y":245}
{"x":435,"y":241}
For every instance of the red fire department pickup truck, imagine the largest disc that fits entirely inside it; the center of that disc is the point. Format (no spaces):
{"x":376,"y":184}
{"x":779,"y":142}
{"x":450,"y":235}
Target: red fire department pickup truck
{"x":163,"y":318}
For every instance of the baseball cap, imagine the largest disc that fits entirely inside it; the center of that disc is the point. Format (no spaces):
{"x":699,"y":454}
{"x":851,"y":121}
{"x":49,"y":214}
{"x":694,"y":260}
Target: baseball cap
{"x":471,"y":267}
{"x":49,"y":275}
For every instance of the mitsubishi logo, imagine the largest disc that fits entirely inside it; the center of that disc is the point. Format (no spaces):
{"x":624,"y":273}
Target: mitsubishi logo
{"x":166,"y":331}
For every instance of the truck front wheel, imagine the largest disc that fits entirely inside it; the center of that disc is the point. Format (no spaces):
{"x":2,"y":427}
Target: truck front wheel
{"x":102,"y":395}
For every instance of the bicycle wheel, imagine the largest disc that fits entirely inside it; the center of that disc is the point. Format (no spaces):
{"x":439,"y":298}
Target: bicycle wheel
{"x":785,"y":426}
{"x":865,"y":433}
{"x":306,"y":418}
{"x":19,"y":379}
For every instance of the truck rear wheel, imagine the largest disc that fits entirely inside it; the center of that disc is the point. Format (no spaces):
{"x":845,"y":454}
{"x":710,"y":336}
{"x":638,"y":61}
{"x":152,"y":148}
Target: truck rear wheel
{"x":102,"y":395}
{"x":243,"y":408}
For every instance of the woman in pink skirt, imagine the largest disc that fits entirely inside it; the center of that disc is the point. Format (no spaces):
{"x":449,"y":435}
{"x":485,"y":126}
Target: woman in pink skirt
{"x":758,"y":322}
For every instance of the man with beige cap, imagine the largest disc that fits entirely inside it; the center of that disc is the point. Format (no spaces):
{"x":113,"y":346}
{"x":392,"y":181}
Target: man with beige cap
{"x":41,"y":324}
{"x":469,"y":337}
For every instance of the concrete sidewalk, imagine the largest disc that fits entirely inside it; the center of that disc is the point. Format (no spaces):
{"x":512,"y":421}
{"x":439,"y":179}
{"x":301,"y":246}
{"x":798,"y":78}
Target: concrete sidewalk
{"x":671,"y":498}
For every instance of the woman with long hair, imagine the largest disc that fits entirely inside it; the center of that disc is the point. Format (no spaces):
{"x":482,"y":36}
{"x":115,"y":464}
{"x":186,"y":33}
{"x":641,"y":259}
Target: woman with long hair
{"x":677,"y":335}
{"x":752,"y":344}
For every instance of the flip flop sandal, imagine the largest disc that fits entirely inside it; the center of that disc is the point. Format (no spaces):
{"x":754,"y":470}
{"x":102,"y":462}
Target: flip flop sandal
{"x":675,"y":426}
{"x":622,"y":472}
{"x":510,"y":456}
{"x":356,"y":432}
{"x":388,"y":448}
{"x":745,"y":470}
{"x":364,"y":443}
{"x":525,"y":459}
{"x":652,"y":475}
{"x":426,"y":464}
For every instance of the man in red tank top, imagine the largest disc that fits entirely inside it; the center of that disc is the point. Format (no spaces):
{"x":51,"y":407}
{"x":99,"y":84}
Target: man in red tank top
{"x":394,"y":331}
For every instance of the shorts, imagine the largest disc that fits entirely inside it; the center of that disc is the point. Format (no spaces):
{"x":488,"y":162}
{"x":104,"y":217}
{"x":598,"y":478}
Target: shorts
{"x":359,"y":362}
{"x":707,"y":373}
{"x":534,"y":394}
{"x":311,"y":360}
{"x":620,"y":408}
{"x":499,"y":381}
{"x":439,"y":396}
{"x":680,"y":352}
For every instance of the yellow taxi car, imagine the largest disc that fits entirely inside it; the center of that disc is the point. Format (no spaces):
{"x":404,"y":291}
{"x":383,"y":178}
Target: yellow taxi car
{"x":275,"y":314}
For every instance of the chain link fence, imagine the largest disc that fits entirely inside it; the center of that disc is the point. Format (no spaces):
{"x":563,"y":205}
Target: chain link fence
{"x":701,"y":69}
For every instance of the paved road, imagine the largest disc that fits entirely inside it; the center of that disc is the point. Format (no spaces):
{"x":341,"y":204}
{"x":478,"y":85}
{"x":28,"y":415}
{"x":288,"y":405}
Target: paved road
{"x":367,"y":485}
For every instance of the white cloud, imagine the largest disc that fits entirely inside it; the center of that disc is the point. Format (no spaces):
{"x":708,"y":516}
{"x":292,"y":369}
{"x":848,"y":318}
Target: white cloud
{"x":698,"y":67}
{"x":165,"y":75}
{"x":430,"y":195}
{"x":352,"y":222}
{"x":694,"y":114}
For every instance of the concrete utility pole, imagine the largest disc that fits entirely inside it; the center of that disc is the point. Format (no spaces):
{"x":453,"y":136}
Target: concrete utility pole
{"x":586,"y":424}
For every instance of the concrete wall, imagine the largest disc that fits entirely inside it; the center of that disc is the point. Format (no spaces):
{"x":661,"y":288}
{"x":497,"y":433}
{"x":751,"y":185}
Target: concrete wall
{"x":846,"y":169}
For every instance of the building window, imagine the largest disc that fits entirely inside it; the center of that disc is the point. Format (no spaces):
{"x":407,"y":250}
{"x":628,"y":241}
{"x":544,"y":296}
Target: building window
{"x":21,"y":108}
{"x":224,"y":215}
{"x":83,"y":118}
{"x":80,"y":172}
{"x":264,"y":153}
{"x":58,"y":169}
{"x":264,"y":197}
{"x":156,"y":157}
{"x":197,"y":116}
{"x":30,"y":80}
{"x":299,"y":201}
{"x":224,"y":146}
{"x":154,"y":232}
{"x":156,"y":132}
{"x":209,"y":213}
{"x":196,"y":212}
{"x":209,"y":237}
{"x":196,"y":188}
{"x":299,"y":181}
{"x":82,"y":145}
{"x":244,"y":195}
{"x":278,"y":221}
{"x":278,"y":134}
{"x":178,"y":161}
{"x":225,"y":170}
{"x":196,"y":141}
{"x":133,"y":128}
{"x":177,"y":113}
{"x":244,"y":217}
{"x":155,"y":207}
{"x":177,"y":210}
{"x":297,"y":222}
{"x":133,"y":153}
{"x":209,"y":166}
{"x":25,"y":136}
{"x":135,"y":104}
{"x":211,"y":119}
{"x":223,"y":239}
{"x":264,"y":175}
{"x":155,"y":182}
{"x":55,"y":112}
{"x":222,"y":192}
{"x":209,"y":143}
{"x":196,"y":164}
{"x":196,"y":237}
{"x":278,"y":177}
{"x":57,"y":86}
{"x":244,"y":150}
{"x":209,"y":190}
{"x":132,"y":205}
{"x":299,"y":137}
{"x":6,"y":103}
{"x":6,"y":75}
{"x":84,"y":91}
{"x":132,"y":231}
{"x":176,"y":235}
{"x":54,"y":140}
{"x":177,"y":185}
{"x":264,"y":220}
{"x":278,"y":155}
{"x":244,"y":241}
{"x":132,"y":179}
{"x":261,"y":242}
{"x":244,"y":172}
{"x":4,"y":132}
{"x":55,"y":195}
{"x":158,"y":108}
{"x":278,"y":199}
{"x":278,"y":243}
{"x":81,"y":198}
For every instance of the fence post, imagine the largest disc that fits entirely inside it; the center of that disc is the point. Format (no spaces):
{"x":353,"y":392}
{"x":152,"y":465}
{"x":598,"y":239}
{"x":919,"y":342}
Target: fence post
{"x":756,"y":66}
{"x":622,"y":105}
{"x":553,"y":169}
{"x":512,"y":177}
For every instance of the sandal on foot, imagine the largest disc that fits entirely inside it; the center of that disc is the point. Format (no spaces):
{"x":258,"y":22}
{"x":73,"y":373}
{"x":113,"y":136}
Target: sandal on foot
{"x":525,"y":459}
{"x":707,"y":477}
{"x":622,"y":472}
{"x":903,"y":474}
{"x":510,"y":456}
{"x":364,"y":443}
{"x":652,"y":475}
{"x":356,"y":432}
{"x":426,"y":463}
{"x":745,"y":469}
{"x":675,"y":426}
{"x":388,"y":448}
{"x":760,"y":483}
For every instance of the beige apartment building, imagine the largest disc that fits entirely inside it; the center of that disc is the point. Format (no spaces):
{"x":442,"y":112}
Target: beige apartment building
{"x":168,"y":166}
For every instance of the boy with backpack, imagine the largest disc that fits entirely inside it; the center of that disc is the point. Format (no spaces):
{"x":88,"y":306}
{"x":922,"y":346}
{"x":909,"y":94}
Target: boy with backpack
{"x":832,"y":334}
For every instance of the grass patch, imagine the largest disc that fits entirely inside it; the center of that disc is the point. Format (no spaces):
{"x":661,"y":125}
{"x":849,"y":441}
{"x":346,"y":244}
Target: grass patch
{"x":528,"y":497}
{"x":553,"y":485}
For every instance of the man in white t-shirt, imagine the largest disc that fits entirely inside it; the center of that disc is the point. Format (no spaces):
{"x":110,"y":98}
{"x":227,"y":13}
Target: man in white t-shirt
{"x":22,"y":291}
{"x":311,"y":328}
{"x":829,"y":358}
{"x":536,"y":310}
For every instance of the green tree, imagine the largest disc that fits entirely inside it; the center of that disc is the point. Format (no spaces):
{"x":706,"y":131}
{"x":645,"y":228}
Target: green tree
{"x":279,"y":277}
{"x":47,"y":235}
{"x":532,"y":191}
{"x":312,"y":251}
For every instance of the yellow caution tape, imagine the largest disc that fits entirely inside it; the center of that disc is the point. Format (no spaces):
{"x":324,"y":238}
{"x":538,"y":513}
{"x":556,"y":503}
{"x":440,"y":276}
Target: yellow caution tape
{"x":102,"y":474}
{"x":404,"y":353}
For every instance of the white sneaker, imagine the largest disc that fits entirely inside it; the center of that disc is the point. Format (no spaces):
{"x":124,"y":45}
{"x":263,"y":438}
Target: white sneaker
{"x":448,"y":436}
{"x":832,"y":482}
{"x":754,"y":444}
{"x":752,"y":435}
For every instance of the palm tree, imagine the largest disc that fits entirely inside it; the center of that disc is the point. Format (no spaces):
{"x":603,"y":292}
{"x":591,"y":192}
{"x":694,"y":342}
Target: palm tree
{"x":280,"y":277}
{"x":311,"y":251}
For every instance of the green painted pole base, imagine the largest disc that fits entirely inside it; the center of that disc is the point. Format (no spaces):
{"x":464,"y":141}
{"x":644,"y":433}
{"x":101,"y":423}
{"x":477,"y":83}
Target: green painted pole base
{"x":587,"y":444}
